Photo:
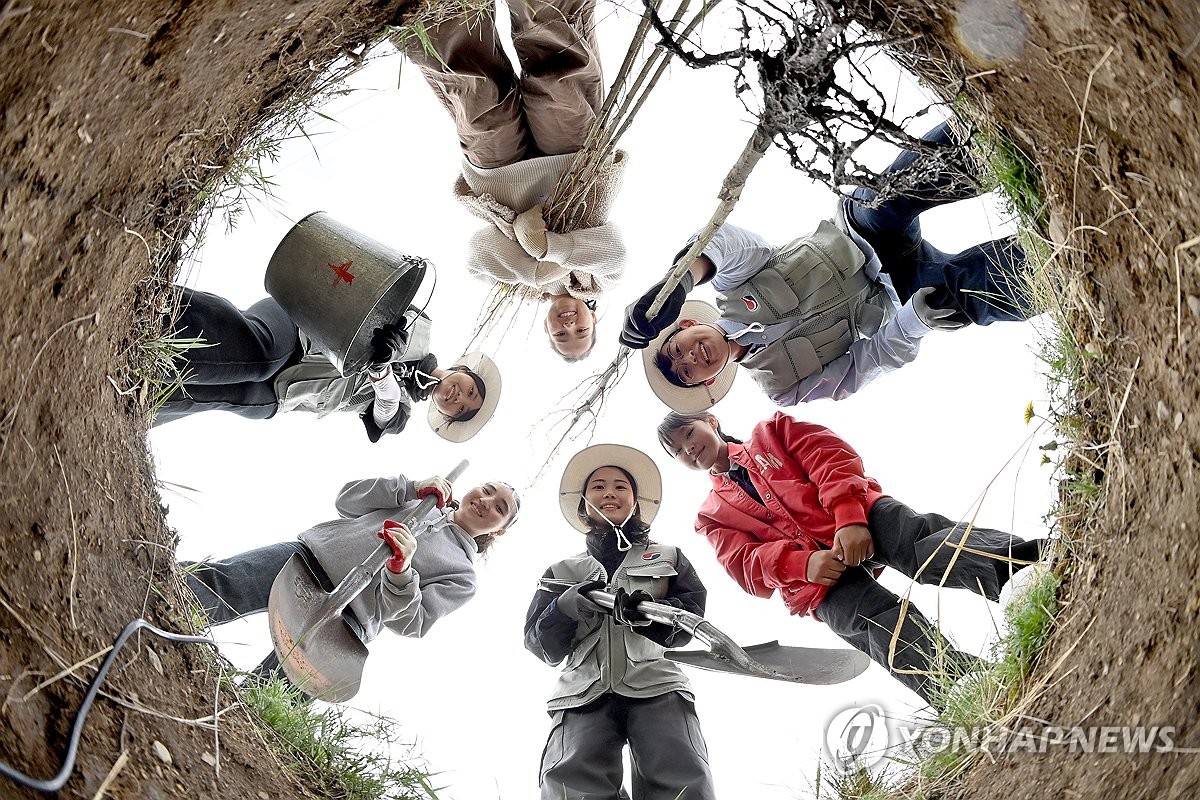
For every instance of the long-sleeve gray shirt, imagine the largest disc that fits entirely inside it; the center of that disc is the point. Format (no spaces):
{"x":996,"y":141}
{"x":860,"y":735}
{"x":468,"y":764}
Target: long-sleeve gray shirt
{"x":440,"y":576}
{"x":738,"y":254}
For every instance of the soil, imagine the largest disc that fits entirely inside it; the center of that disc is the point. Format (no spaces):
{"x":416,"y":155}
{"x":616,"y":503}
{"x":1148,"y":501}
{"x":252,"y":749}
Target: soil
{"x":112,"y":112}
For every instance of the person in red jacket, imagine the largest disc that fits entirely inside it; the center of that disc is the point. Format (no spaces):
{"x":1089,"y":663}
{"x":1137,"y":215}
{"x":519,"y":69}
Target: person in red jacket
{"x":792,"y":511}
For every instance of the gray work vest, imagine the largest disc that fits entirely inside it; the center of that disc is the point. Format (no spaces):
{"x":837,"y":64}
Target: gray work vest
{"x":315,"y":385}
{"x":818,"y":280}
{"x":607,"y":657}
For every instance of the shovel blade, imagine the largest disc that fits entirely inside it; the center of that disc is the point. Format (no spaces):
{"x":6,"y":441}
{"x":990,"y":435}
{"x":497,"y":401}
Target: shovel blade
{"x":816,"y":666}
{"x":317,"y":650}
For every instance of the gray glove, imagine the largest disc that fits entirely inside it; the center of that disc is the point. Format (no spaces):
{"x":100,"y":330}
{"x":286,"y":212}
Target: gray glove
{"x":575,"y":603}
{"x":938,"y":319}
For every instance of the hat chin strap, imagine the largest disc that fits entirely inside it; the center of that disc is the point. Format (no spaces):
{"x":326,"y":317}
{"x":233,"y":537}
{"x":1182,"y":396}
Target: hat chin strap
{"x":753,"y":327}
{"x":424,"y":380}
{"x":623,"y":543}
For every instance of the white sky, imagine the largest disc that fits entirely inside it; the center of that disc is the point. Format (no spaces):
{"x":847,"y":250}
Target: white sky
{"x":938,"y":434}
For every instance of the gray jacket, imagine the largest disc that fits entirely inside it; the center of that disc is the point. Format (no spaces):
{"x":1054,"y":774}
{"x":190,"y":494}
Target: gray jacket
{"x":315,"y":385}
{"x":607,"y":657}
{"x":439,"y":579}
{"x":815,"y":286}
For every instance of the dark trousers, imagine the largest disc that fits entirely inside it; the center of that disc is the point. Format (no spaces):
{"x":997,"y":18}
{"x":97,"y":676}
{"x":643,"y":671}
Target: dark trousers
{"x":582,"y":758}
{"x":235,"y":587}
{"x":984,"y":282}
{"x":244,"y":351}
{"x":867,"y":615}
{"x":502,"y":119}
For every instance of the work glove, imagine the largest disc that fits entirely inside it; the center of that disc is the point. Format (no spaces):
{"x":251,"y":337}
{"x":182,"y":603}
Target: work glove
{"x":437,"y":486}
{"x":625,"y":608}
{"x":575,"y":604}
{"x":638,"y":332}
{"x":387,"y":343}
{"x":938,"y":319}
{"x":403,"y":545}
{"x":419,"y":387}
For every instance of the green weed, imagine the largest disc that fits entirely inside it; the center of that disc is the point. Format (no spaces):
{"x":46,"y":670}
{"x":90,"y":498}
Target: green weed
{"x":344,"y":758}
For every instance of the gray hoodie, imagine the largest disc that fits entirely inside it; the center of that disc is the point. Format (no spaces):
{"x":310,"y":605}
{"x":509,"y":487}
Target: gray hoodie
{"x":440,"y":577}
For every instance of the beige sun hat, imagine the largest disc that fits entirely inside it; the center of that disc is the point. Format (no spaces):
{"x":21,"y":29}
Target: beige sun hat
{"x":586,"y":461}
{"x":693,"y":399}
{"x":453,"y":431}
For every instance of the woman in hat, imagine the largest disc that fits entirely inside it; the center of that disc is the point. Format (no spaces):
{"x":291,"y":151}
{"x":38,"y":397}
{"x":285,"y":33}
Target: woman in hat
{"x":430,"y":574}
{"x":617,"y":687}
{"x":256,"y":363}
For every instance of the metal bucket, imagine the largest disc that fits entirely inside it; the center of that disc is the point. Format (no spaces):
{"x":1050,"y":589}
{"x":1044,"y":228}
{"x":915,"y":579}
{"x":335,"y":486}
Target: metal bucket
{"x":339,"y":285}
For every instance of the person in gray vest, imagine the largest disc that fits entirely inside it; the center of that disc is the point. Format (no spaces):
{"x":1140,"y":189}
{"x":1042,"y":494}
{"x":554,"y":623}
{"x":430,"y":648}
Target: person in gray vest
{"x":257,"y":362}
{"x":430,"y":574}
{"x":827,"y":313}
{"x":617,"y":687}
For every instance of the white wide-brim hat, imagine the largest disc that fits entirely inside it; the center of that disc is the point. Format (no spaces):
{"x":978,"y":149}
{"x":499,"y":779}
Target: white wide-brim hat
{"x":454,"y":431}
{"x":586,"y":461}
{"x":691,"y":399}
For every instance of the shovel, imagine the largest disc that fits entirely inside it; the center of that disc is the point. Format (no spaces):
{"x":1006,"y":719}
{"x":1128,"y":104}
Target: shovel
{"x":818,"y":666}
{"x":317,"y":650}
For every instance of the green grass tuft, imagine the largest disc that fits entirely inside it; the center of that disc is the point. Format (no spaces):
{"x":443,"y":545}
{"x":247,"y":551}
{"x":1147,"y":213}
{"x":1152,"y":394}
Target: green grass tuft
{"x":158,"y":367}
{"x":344,"y":758}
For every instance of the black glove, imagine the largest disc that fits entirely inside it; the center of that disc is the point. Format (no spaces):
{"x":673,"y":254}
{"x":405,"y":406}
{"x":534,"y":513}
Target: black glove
{"x":387,"y":342}
{"x":575,"y":603}
{"x":638,"y":332}
{"x":625,"y":608}
{"x":419,"y":387}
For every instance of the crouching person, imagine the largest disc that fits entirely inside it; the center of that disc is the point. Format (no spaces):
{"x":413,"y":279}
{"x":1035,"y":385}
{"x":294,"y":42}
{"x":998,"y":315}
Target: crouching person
{"x":430,"y":574}
{"x":792,"y":510}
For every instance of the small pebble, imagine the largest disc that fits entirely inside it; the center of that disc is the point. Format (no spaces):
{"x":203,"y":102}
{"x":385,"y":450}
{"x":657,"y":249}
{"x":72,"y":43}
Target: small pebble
{"x":209,"y":758}
{"x":1178,"y":419}
{"x":1163,"y":412}
{"x":1193,"y":304}
{"x":154,"y":660}
{"x":160,"y":750}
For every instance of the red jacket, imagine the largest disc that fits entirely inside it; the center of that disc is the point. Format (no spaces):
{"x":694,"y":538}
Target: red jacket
{"x":811,"y":483}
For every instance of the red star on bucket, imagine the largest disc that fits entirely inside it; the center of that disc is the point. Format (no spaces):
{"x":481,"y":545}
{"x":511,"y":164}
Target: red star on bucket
{"x":343,"y":273}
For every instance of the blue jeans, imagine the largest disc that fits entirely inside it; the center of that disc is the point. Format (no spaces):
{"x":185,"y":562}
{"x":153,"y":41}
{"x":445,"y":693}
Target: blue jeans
{"x":983,"y":282}
{"x":236,"y":371}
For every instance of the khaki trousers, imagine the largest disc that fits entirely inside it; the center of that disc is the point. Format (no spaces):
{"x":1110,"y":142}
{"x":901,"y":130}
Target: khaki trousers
{"x":502,"y":119}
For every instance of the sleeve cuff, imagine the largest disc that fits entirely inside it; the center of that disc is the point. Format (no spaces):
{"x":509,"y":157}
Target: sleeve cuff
{"x":849,"y":511}
{"x":910,"y":323}
{"x":795,"y":566}
{"x":401,"y":582}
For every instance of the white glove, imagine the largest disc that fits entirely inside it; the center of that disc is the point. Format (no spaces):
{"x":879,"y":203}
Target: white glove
{"x":437,"y":485}
{"x":937,"y":319}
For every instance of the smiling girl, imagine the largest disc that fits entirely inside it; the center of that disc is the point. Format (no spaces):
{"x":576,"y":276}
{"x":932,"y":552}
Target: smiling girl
{"x":617,"y":687}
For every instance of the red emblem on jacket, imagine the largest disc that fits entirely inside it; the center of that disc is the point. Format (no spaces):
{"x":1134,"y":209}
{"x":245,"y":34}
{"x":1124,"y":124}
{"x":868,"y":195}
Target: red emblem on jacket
{"x":650,"y":556}
{"x":751,"y":303}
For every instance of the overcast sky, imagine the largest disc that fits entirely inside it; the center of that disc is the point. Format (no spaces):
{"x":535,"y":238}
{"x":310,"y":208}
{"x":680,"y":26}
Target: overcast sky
{"x":943,"y":434}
